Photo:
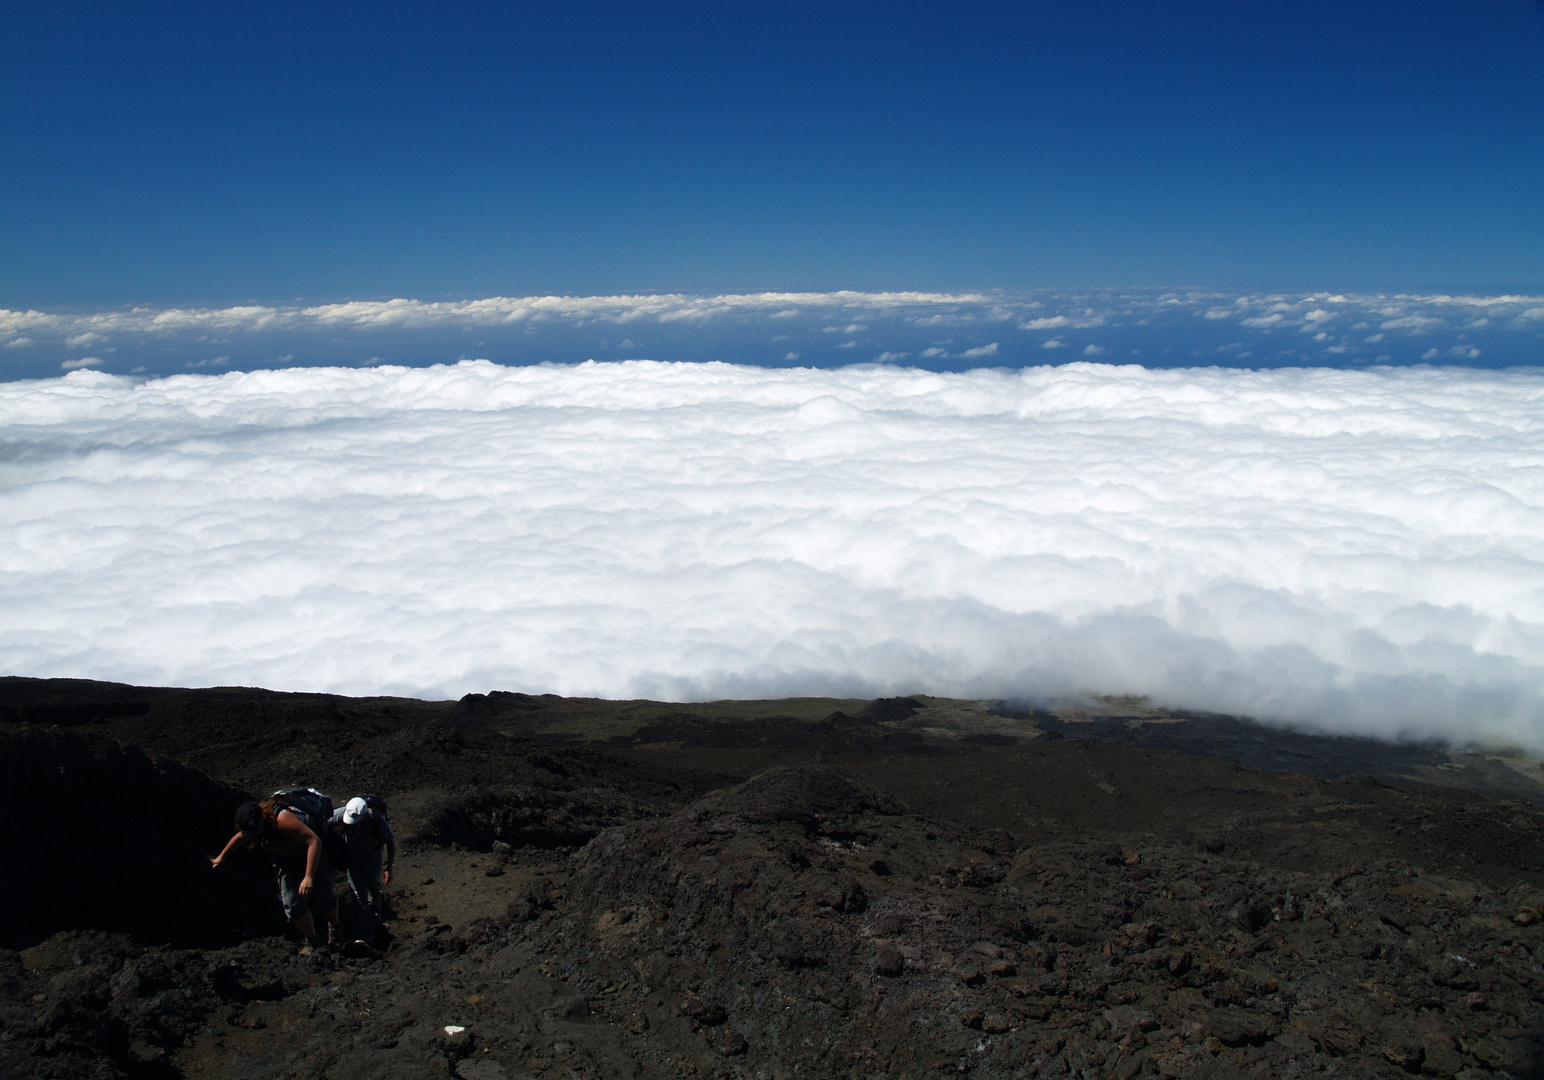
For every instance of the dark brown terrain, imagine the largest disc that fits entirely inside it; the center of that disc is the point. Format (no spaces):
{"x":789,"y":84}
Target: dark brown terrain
{"x":905,"y":887}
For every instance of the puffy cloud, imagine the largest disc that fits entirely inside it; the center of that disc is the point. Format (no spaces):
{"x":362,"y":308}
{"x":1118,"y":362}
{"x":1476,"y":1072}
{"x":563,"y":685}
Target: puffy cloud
{"x":1411,"y":322}
{"x":1353,"y":550}
{"x":980,"y":352}
{"x":81,"y":362}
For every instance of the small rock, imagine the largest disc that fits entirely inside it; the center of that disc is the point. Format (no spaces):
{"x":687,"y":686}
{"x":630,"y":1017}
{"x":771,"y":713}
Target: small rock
{"x":995,"y":1024}
{"x":978,"y":876}
{"x":1252,"y":915}
{"x":501,"y":848}
{"x":1129,"y":1067}
{"x":1040,"y":956}
{"x":798,"y":942}
{"x":1526,"y":917}
{"x":889,"y":962}
{"x":1003,"y":969}
{"x":733,"y":1043}
{"x":1238,"y":1027}
{"x":1338,"y":1035}
{"x":1440,"y":1059}
{"x":1404,"y":1054}
{"x":458,"y":1039}
{"x":706,"y":1013}
{"x":1476,"y":1002}
{"x":481,"y":1068}
{"x":973,"y":1018}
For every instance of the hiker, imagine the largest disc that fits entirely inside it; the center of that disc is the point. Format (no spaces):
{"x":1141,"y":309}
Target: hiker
{"x":364,"y":834}
{"x":292,"y":836}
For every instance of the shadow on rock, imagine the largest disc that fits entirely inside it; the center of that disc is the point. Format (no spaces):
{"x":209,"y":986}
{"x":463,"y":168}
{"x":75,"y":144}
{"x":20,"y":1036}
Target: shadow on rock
{"x":102,"y":836}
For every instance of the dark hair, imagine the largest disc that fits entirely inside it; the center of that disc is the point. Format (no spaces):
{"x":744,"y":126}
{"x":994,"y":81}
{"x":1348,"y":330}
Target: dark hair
{"x":249,"y":817}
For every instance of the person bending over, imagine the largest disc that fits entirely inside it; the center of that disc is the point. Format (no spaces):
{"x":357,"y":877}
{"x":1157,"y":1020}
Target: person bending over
{"x":302,"y":870}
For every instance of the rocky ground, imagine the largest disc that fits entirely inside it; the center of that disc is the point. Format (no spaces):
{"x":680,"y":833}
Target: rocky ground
{"x":809,"y":888}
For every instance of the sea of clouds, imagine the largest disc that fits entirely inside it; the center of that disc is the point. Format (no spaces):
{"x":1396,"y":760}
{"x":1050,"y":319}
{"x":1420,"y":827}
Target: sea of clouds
{"x":1350,"y":550}
{"x":936,"y":331}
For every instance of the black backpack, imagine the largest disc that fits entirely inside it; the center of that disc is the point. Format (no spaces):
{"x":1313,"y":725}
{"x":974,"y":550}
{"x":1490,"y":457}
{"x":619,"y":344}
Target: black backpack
{"x":316,"y":808}
{"x":312,"y":804}
{"x":376,"y":804}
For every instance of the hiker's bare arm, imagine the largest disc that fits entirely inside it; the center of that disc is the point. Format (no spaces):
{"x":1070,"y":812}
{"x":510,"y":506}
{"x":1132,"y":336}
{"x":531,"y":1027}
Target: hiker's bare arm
{"x":295,"y":829}
{"x":235,"y":843}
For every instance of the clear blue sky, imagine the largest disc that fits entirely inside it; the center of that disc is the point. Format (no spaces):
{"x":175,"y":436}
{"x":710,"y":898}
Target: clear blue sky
{"x":213,"y":153}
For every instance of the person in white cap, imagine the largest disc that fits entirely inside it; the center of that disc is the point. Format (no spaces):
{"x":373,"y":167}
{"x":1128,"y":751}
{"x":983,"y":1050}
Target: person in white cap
{"x":366,"y":835}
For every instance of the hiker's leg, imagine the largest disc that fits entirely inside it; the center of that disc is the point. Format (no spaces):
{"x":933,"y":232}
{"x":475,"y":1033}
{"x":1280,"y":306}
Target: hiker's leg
{"x":296,"y":907}
{"x":324,"y":896}
{"x":372,"y":880}
{"x":359,"y":884}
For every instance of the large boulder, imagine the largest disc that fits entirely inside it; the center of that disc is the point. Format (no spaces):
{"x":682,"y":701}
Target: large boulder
{"x":100,"y":835}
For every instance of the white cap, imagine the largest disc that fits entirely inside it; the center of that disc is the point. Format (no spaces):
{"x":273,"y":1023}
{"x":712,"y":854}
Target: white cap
{"x":357,"y":808}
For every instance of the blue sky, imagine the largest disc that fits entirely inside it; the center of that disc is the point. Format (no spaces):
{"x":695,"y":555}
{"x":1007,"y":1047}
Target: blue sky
{"x":213,"y":154}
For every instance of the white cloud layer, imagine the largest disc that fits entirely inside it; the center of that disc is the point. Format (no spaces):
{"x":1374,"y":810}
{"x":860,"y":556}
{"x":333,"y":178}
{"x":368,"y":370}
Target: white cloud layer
{"x":1357,"y":551}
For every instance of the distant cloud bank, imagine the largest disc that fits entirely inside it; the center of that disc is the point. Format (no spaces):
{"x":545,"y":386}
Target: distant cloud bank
{"x":1350,"y":550}
{"x":940,"y":331}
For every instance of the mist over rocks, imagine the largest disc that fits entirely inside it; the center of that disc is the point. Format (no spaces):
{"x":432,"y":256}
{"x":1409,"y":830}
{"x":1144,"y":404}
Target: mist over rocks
{"x":1357,"y":551}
